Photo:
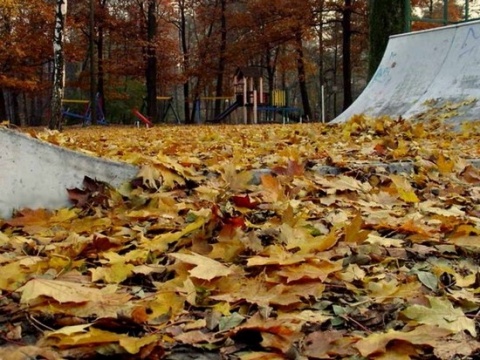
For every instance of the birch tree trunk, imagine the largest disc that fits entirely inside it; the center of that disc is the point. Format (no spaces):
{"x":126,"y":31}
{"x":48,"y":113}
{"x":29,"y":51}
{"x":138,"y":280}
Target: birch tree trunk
{"x":59,"y":65}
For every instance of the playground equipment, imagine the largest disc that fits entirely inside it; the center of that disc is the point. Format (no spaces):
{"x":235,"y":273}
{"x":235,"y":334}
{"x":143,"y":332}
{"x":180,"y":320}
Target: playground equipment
{"x":256,"y":105}
{"x":142,"y":118}
{"x":207,"y":106}
{"x":86,"y":116}
{"x":165,"y":107}
{"x":426,"y":73}
{"x":268,"y":113}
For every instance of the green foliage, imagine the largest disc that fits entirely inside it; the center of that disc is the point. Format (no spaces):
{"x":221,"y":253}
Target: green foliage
{"x":122,"y":100}
{"x":386,"y":17}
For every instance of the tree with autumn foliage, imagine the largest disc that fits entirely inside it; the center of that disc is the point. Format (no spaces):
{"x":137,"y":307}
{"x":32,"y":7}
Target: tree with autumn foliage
{"x":26,"y":30}
{"x":351,"y":15}
{"x":435,"y":14}
{"x":387,"y":17}
{"x":190,"y":50}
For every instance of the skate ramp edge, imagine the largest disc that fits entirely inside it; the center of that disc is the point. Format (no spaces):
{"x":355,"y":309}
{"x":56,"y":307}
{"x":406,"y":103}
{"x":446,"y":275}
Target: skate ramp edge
{"x":36,"y":174}
{"x":426,"y":74}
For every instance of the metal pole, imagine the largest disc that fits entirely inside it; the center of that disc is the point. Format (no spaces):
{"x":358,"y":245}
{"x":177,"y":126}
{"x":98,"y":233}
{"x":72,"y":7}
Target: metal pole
{"x":467,"y":10}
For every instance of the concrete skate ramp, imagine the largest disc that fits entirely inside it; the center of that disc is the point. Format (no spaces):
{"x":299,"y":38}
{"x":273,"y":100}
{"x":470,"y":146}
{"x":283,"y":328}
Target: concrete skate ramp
{"x":426,"y":74}
{"x":36,"y":174}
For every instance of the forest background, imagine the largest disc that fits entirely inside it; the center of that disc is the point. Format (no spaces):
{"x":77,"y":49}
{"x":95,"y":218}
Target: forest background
{"x":140,"y":50}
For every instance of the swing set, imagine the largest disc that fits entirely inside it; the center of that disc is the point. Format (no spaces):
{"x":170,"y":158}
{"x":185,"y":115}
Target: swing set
{"x":86,"y":116}
{"x":147,"y":121}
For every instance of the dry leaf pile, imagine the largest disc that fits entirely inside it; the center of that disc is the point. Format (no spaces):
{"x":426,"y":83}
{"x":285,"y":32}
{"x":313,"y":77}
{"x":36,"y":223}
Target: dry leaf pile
{"x":203,"y":257}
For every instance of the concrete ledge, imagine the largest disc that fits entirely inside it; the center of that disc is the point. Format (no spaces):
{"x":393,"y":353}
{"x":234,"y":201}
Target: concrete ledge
{"x":36,"y":174}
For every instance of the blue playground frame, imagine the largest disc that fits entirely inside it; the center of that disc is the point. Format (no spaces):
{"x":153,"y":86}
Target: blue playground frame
{"x":86,"y":117}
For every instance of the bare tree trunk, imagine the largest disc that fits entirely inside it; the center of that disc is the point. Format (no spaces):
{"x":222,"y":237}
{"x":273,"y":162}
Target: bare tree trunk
{"x":271,"y":56}
{"x":25,"y":118}
{"x":386,"y":17}
{"x":3,"y":108}
{"x":59,"y":65}
{"x":186,"y":63}
{"x":15,"y":109}
{"x":100,"y":45}
{"x":151,"y":58}
{"x":91,"y":51}
{"x":302,"y":76}
{"x":346,"y":52}
{"x":222,"y":60}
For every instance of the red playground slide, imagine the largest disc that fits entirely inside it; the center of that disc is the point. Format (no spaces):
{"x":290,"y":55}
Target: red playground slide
{"x":142,"y":118}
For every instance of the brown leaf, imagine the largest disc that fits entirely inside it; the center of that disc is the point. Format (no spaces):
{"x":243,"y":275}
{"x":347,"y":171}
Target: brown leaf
{"x":322,"y":344}
{"x":422,"y":335}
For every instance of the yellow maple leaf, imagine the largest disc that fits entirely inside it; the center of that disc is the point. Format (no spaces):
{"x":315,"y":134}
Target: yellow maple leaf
{"x":87,"y":335}
{"x":312,"y":270}
{"x":166,"y":304}
{"x":276,"y":255}
{"x":445,"y":166}
{"x":442,"y":314}
{"x":134,"y":344}
{"x":204,"y":267}
{"x":354,"y":232}
{"x":116,"y":271}
{"x":189,"y":291}
{"x":61,"y":291}
{"x":273,"y":187}
{"x":404,"y":189}
{"x":64,"y":215}
{"x":13,"y":275}
{"x":161,"y":242}
{"x":402,"y":150}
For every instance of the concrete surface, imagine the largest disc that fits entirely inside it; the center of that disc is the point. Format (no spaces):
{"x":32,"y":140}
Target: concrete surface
{"x":431,"y":73}
{"x":36,"y":174}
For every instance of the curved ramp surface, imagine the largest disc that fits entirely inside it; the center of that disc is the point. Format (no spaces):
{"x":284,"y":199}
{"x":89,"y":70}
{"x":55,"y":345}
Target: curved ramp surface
{"x":36,"y":174}
{"x":431,"y":73}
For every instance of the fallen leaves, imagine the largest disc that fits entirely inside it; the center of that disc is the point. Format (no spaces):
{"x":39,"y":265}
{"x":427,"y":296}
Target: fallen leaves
{"x":204,"y":267}
{"x":233,"y":242}
{"x":422,"y":335}
{"x":441,"y":313}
